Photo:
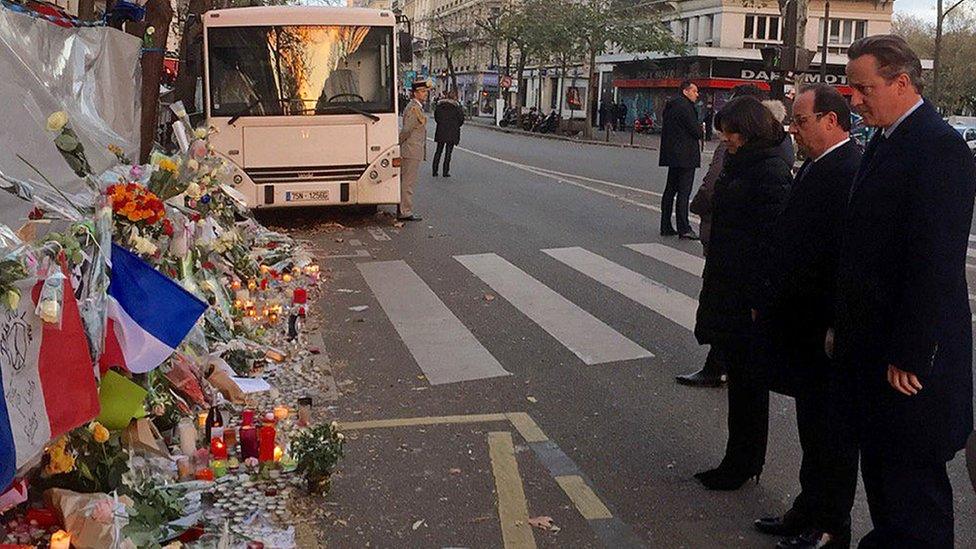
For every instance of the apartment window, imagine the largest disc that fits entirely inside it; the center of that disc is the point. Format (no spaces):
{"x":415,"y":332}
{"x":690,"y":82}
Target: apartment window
{"x":707,"y":29}
{"x":841,"y":33}
{"x":762,"y":28}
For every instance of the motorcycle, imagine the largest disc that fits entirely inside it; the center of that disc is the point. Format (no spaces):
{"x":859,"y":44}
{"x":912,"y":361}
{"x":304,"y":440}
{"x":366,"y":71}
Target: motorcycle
{"x":548,"y":124}
{"x":644,"y":124}
{"x":530,"y":119}
{"x":509,"y":118}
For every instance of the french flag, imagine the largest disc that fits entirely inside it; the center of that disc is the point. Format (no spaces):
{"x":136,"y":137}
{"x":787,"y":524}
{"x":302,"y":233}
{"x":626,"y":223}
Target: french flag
{"x":149,"y":315}
{"x":48,"y":381}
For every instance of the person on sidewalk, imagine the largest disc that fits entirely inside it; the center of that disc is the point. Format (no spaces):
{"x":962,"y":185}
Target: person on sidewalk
{"x":413,"y":148}
{"x":449,"y":118}
{"x":802,"y":274}
{"x":713,"y":373}
{"x":749,"y":196}
{"x":681,"y":135}
{"x":622,"y":116}
{"x":903,"y":333}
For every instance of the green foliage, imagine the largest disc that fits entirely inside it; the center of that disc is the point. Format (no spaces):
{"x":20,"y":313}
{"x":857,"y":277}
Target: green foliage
{"x":99,"y":467}
{"x":317,"y":450}
{"x":155,"y":506}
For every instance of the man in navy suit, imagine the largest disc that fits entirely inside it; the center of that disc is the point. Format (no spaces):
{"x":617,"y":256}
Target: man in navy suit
{"x":903,"y":332}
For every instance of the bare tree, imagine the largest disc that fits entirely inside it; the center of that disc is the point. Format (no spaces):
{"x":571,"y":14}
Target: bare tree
{"x":940,"y":17}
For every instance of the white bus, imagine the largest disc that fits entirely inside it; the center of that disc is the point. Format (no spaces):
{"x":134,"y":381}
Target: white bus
{"x":304,"y":102}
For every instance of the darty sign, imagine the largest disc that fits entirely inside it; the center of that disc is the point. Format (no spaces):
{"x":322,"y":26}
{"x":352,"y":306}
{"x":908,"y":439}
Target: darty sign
{"x":810,"y":77}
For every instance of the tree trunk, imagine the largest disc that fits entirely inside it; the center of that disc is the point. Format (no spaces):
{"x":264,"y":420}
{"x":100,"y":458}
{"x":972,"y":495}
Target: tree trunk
{"x":191,"y":55}
{"x":936,"y":57}
{"x":86,"y":10}
{"x":591,"y":92}
{"x":159,"y":14}
{"x":561,"y":86}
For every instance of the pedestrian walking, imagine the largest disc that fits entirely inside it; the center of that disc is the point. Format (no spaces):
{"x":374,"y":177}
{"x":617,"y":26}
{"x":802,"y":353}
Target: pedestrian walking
{"x":709,"y":121}
{"x":806,"y":240}
{"x":681,"y":135}
{"x":413,"y":148}
{"x":449,"y":118}
{"x":622,"y":115}
{"x":748,"y":197}
{"x":604,"y":113}
{"x":903,"y":323}
{"x":713,"y":373}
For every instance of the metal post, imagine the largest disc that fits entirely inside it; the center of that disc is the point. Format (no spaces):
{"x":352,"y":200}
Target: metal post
{"x":826,"y":37}
{"x":632,"y":133}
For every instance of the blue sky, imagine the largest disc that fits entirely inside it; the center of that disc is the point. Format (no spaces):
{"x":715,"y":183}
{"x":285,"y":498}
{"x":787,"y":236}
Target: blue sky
{"x":922,"y":8}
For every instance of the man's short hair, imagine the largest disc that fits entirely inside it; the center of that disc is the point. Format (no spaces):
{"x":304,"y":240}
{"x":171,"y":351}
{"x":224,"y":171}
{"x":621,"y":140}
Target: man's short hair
{"x":685,"y":84}
{"x":893,"y":55}
{"x":826,"y":99}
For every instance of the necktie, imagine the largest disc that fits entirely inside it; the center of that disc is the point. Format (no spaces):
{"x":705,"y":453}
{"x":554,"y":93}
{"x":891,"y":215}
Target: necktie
{"x":802,"y":172}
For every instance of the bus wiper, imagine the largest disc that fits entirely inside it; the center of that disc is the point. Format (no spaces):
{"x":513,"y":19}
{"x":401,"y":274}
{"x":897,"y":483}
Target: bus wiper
{"x":353,"y":110}
{"x":247,"y":110}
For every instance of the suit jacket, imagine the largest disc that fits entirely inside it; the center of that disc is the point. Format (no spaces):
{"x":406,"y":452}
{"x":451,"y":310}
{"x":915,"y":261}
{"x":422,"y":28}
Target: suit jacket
{"x":413,"y":134}
{"x":803,"y":268}
{"x":680,"y":134}
{"x":449,"y":118}
{"x":902,"y":297}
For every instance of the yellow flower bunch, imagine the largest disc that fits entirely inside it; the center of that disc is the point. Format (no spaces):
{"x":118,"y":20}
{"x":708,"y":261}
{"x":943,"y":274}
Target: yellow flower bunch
{"x":168,"y":165}
{"x":60,"y":460}
{"x":115,"y":149}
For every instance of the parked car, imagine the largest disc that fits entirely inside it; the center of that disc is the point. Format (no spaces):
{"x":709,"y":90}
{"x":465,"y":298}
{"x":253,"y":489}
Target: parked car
{"x":969,"y":134}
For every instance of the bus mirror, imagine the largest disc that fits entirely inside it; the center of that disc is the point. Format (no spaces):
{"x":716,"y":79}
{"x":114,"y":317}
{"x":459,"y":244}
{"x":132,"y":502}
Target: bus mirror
{"x":406,"y":47}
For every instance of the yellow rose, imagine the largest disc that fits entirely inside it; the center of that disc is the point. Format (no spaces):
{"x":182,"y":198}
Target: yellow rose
{"x":57,"y":121}
{"x":50,"y":311}
{"x":200,"y":133}
{"x":11,"y":298}
{"x":99,"y":433}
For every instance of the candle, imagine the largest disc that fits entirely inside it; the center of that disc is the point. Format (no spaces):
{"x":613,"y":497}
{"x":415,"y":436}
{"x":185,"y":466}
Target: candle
{"x":219,"y":468}
{"x":286,"y":278}
{"x":304,"y":411}
{"x":299,"y":296}
{"x":235,"y":285}
{"x":60,"y":540}
{"x":218,"y":450}
{"x":205,"y":474}
{"x":247,"y":417}
{"x":280,"y":412}
{"x":249,"y":442}
{"x":252,"y":285}
{"x":202,"y":419}
{"x":188,"y":436}
{"x":266,"y":442}
{"x":278,"y":452}
{"x":230,"y":438}
{"x":183,"y":469}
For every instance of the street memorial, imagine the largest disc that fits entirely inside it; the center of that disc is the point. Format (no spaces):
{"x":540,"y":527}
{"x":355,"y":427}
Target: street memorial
{"x":145,"y":322}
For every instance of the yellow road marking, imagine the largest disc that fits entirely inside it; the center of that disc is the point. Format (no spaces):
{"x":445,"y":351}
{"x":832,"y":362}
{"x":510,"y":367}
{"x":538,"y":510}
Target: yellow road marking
{"x":417,"y":421}
{"x":513,"y":510}
{"x":527,"y":427}
{"x":586,"y":501}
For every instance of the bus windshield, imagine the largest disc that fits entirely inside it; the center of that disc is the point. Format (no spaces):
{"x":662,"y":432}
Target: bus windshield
{"x":300,"y":70}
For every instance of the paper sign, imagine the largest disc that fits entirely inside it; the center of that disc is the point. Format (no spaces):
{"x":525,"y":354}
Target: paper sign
{"x":121,"y":400}
{"x":252,"y":384}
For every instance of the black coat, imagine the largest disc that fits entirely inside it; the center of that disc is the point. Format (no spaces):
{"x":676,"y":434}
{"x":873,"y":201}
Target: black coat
{"x":902,"y":297}
{"x":449,"y":118}
{"x":680,"y":134}
{"x":803,"y":268}
{"x":749,"y":195}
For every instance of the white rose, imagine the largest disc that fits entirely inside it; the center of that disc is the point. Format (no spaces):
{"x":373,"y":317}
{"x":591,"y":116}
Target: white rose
{"x":193,"y":190}
{"x":200,"y":133}
{"x":143,"y":246}
{"x":150,"y":30}
{"x":192,"y":165}
{"x":50,"y":311}
{"x":57,"y":121}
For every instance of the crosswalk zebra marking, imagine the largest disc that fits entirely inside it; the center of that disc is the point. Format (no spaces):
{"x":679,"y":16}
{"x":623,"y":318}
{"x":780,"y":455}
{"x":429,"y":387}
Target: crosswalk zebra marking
{"x":672,"y":304}
{"x":672,"y":256}
{"x":587,"y":337}
{"x":442,"y":346}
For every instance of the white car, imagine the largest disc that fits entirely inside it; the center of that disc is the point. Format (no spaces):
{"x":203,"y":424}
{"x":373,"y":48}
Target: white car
{"x":969,"y":134}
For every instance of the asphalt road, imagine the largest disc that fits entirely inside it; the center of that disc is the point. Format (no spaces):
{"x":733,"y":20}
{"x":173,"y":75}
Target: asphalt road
{"x":521,"y":267}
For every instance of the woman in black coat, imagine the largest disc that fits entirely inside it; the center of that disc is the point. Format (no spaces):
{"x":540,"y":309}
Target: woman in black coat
{"x":449,"y":117}
{"x":749,"y":195}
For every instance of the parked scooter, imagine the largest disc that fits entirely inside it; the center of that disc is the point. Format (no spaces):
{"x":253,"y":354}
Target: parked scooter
{"x":548,"y":124}
{"x":509,"y":118}
{"x":530,"y":119}
{"x":644,"y":124}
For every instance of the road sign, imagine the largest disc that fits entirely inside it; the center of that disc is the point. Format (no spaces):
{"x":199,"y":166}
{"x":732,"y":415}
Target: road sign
{"x":506,"y":82}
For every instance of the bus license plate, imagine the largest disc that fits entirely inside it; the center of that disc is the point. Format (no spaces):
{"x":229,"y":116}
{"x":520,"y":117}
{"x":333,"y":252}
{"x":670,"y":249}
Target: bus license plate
{"x":302,"y":196}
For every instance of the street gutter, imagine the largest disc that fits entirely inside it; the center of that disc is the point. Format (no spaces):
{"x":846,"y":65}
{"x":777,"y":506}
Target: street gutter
{"x":480,"y":124}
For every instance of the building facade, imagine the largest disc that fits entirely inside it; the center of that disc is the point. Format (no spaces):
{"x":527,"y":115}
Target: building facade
{"x":723,"y":40}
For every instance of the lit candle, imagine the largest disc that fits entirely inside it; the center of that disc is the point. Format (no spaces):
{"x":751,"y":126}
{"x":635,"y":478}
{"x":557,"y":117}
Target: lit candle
{"x":265,"y":269}
{"x":60,"y":540}
{"x":219,"y":468}
{"x":202,"y":419}
{"x":286,"y":278}
{"x":218,"y":450}
{"x":280,"y":412}
{"x":266,"y":441}
{"x":205,"y":474}
{"x":252,"y":285}
{"x":235,"y":285}
{"x":278,"y":452}
{"x":249,"y":442}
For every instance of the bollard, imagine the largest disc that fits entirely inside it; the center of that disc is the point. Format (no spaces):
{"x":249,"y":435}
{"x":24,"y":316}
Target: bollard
{"x":608,"y":133}
{"x":632,"y":134}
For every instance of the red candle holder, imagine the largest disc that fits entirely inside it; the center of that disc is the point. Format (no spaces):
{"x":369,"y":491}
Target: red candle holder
{"x":218,"y":450}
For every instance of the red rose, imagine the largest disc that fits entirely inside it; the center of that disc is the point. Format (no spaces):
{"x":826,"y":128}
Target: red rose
{"x":167,"y":227}
{"x":208,"y":265}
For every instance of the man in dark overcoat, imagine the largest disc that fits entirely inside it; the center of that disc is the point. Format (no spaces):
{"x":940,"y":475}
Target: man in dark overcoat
{"x":449,"y":117}
{"x":803,"y":268}
{"x":681,"y":134}
{"x":903,"y":323}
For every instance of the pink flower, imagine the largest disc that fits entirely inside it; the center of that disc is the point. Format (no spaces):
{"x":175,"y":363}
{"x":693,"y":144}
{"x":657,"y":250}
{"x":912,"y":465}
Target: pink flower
{"x":103,"y":511}
{"x":136,"y":172}
{"x":251,"y":462}
{"x":198,"y":149}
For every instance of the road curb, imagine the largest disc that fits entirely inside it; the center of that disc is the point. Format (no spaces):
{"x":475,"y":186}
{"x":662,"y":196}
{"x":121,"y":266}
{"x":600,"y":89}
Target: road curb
{"x":562,"y":138}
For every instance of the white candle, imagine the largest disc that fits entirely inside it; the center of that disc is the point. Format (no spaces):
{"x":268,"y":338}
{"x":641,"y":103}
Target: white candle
{"x":188,"y":437}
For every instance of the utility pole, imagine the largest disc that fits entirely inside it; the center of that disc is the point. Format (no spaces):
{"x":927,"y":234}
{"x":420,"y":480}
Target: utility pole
{"x":826,"y":36}
{"x":793,"y":56}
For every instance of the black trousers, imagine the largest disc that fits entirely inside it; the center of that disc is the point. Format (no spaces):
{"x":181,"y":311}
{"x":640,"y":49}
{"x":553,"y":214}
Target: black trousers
{"x":828,"y":470}
{"x":680,"y":181}
{"x":911,"y":504}
{"x":748,"y":422}
{"x":447,"y":157}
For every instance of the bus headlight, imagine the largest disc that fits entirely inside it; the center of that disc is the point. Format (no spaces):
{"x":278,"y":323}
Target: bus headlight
{"x":373,"y":175}
{"x":385,"y":163}
{"x":238,"y":179}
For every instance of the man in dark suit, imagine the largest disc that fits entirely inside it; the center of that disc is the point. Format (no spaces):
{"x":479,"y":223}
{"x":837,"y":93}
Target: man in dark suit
{"x":803,"y":271}
{"x":903,"y":323}
{"x":681,"y":135}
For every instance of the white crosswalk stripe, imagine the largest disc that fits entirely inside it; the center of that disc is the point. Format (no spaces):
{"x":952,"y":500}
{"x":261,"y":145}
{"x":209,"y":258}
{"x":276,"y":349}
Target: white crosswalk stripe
{"x":587,"y":337}
{"x":672,"y":304}
{"x":672,"y":256}
{"x":443,"y":347}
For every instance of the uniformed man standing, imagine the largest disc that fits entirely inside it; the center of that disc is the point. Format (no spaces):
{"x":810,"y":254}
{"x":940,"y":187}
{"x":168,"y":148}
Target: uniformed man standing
{"x":413,"y":148}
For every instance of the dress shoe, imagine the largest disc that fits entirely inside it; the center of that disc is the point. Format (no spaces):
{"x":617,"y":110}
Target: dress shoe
{"x":790,"y":524}
{"x":688,"y":235}
{"x":447,"y":175}
{"x":702,"y":379}
{"x":413,"y":217}
{"x":669,"y":232}
{"x":726,"y":478}
{"x":435,"y":174}
{"x":816,"y":539}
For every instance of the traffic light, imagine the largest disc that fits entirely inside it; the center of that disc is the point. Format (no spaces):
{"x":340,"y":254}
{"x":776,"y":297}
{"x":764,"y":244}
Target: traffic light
{"x":771,"y":56}
{"x":803,"y":59}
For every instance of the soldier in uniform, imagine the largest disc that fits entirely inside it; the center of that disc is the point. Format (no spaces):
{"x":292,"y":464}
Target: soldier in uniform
{"x":413,"y":148}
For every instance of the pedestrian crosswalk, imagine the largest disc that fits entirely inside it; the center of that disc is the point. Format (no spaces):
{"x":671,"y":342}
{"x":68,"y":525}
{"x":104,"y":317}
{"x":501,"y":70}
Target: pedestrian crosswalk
{"x":446,"y":351}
